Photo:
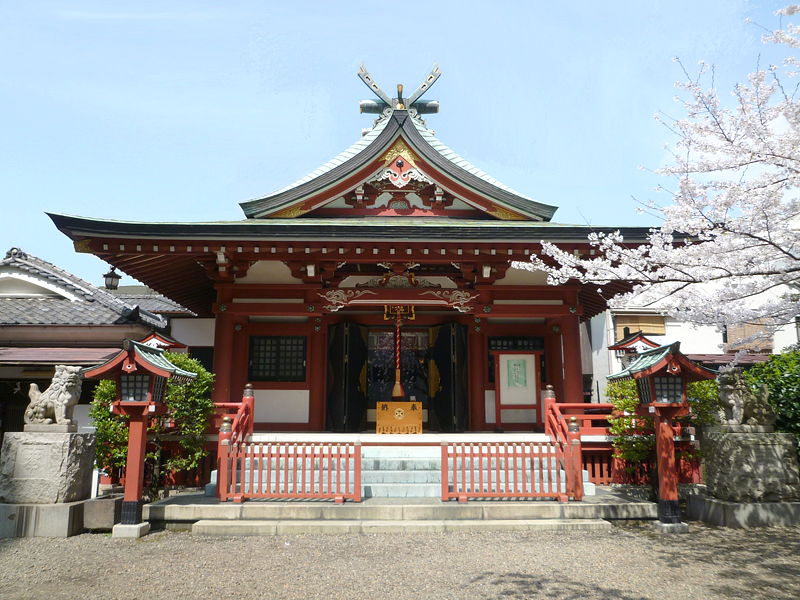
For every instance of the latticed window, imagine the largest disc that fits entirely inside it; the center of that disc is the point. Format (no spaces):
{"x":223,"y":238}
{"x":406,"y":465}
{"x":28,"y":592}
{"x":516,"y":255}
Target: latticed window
{"x":134,"y":388}
{"x":158,"y":388}
{"x":669,"y":389}
{"x":277,"y":358}
{"x":643,"y":385}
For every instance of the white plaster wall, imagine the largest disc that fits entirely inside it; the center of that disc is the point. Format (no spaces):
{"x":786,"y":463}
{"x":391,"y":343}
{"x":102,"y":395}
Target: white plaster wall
{"x":81,"y":415}
{"x":522,"y":277}
{"x":699,"y":340}
{"x":281,"y":406}
{"x":509,"y":416}
{"x":599,"y":328}
{"x":269,"y":271}
{"x":193,"y":332}
{"x":14,"y":283}
{"x":786,"y":336}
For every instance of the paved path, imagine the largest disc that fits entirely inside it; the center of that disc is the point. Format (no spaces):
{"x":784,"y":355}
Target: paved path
{"x":622,"y":563}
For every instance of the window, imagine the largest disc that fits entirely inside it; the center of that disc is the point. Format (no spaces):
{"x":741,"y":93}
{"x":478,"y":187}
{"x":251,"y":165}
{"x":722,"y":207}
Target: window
{"x":514,"y":343}
{"x":647,"y":324}
{"x":277,"y":358}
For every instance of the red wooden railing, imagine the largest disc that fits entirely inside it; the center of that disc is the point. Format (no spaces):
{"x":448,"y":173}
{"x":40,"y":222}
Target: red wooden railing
{"x":567,"y":437}
{"x":235,"y":429}
{"x":491,"y":470}
{"x":597,"y":462}
{"x":313,"y":470}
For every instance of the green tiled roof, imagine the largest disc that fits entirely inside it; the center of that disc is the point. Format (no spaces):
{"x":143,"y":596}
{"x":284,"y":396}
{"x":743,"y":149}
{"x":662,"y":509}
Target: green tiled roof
{"x":650,"y":358}
{"x":156,"y":358}
{"x":646,"y":360}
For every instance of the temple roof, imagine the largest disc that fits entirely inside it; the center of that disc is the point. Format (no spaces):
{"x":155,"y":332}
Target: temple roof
{"x":376,"y":229}
{"x":366,"y":157}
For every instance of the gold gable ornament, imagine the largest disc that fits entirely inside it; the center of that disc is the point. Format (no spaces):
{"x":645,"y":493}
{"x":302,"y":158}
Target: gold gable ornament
{"x":289,"y":212}
{"x":83,"y":246}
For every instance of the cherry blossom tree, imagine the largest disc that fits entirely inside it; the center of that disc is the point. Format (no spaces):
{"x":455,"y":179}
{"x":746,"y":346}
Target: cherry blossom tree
{"x":728,"y":249}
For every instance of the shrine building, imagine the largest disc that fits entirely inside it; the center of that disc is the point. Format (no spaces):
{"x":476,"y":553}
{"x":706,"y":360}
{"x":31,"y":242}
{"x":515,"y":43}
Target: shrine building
{"x":302,"y":298}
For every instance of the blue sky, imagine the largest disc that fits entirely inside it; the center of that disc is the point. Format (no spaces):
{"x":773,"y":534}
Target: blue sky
{"x":178,"y":111}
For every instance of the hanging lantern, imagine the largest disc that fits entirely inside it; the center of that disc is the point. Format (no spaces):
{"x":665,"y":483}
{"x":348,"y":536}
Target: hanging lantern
{"x":111,"y":279}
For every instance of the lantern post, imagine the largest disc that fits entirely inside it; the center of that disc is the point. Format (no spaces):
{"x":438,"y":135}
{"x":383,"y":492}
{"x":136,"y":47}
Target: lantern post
{"x":141,"y":373}
{"x":661,"y":377}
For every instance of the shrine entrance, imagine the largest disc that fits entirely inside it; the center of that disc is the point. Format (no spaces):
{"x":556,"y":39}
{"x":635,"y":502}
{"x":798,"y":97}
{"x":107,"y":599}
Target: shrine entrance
{"x":361,"y":373}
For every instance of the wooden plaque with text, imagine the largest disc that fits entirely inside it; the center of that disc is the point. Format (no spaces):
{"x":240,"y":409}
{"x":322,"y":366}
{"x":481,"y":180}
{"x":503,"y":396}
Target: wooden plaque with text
{"x":399,"y":417}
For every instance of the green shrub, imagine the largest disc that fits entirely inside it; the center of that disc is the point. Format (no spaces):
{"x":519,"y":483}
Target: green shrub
{"x":189,"y":408}
{"x":781,"y":374}
{"x":635,"y":441}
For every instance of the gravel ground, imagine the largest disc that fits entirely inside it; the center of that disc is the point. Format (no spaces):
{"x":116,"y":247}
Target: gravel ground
{"x":623,"y":563}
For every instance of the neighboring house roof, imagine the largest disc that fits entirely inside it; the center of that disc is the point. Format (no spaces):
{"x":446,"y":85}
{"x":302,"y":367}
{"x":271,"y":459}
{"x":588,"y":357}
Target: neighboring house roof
{"x":55,"y":356}
{"x":635,"y":342}
{"x":36,"y":292}
{"x":150,"y":300}
{"x":726,"y":359}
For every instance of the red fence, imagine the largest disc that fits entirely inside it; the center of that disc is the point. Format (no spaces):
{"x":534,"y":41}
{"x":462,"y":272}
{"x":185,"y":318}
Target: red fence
{"x":289,"y":471}
{"x":525,"y":470}
{"x":597,"y":462}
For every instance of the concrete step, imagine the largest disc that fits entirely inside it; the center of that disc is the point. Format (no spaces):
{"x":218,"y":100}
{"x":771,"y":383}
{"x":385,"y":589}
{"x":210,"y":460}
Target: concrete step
{"x":401,"y":464}
{"x":414,"y":476}
{"x":401,"y":490}
{"x":190,"y":508}
{"x":291,"y":527}
{"x":401,"y":452}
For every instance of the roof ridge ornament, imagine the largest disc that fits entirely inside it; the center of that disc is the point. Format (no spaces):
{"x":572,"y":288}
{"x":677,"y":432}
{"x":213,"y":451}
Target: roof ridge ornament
{"x":385,"y":102}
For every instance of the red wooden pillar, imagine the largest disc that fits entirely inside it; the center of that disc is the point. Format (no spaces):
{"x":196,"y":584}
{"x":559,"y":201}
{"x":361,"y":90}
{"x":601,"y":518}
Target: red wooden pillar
{"x":668,"y":509}
{"x":554,"y":360}
{"x":477,"y":389}
{"x":139,"y":414}
{"x":317,"y":376}
{"x":223,"y":356}
{"x":573,"y":370}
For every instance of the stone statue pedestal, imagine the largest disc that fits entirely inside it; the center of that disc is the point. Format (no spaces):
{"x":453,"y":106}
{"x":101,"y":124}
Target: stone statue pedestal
{"x":46,"y":468}
{"x":751,"y":466}
{"x":751,"y":476}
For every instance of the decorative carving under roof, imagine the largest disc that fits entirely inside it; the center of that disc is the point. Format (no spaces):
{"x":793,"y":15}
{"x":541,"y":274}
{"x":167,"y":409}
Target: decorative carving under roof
{"x":398,"y":282}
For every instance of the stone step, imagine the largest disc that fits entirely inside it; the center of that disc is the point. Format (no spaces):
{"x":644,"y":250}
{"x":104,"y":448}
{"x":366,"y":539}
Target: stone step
{"x":292,"y":527}
{"x":412,"y":476}
{"x":401,"y":464}
{"x":401,"y":490}
{"x":411,"y":509}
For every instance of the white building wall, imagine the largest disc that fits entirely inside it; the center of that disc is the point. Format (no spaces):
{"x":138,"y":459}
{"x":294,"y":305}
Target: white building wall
{"x":786,"y":336}
{"x":193,"y":332}
{"x":601,"y":336}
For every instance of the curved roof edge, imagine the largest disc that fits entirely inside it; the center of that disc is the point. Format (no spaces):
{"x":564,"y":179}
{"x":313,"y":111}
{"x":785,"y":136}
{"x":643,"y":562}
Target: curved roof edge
{"x":372,"y":145}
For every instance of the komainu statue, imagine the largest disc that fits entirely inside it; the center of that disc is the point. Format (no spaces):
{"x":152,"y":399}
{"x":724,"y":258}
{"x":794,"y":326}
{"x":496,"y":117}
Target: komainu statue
{"x":742,"y":406}
{"x":57,"y":403}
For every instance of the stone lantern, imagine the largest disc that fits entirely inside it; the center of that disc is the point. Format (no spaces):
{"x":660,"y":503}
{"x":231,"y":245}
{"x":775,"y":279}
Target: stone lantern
{"x":661,"y":377}
{"x":141,"y":373}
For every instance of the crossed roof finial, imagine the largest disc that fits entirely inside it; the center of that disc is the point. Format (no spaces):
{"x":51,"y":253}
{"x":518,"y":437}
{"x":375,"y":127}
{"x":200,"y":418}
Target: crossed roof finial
{"x":400,"y":103}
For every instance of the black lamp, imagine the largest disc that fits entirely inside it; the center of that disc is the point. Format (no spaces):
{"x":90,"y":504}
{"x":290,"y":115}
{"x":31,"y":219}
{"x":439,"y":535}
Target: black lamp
{"x":112,"y":279}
